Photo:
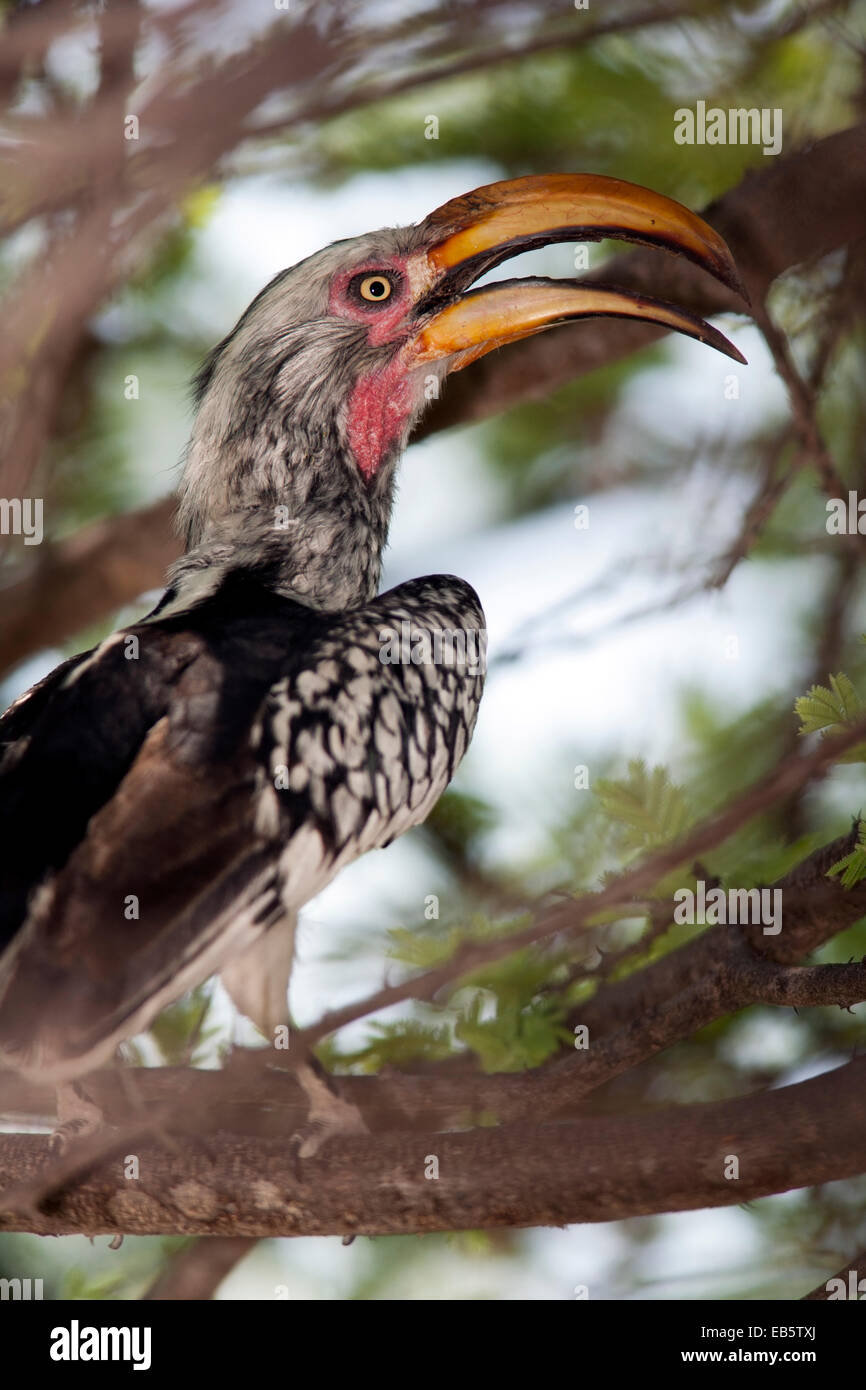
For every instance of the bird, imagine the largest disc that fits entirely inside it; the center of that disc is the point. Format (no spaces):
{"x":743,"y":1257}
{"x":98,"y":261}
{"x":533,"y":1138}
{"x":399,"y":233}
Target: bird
{"x":171,"y":799}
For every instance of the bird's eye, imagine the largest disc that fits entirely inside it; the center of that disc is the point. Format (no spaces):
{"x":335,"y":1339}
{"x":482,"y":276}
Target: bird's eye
{"x":375,"y":288}
{"x":368,"y":289}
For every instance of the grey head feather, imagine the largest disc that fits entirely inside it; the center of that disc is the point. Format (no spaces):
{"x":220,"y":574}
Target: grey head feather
{"x":269,"y":478}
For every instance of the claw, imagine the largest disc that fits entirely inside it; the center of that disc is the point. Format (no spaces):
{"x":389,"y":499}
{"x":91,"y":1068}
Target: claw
{"x":329,"y":1115}
{"x":77,"y":1118}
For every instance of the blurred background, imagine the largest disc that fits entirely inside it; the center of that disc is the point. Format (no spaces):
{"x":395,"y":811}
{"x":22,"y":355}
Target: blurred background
{"x":670,"y":622}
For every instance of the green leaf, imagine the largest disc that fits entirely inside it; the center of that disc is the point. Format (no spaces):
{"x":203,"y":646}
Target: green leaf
{"x":422,"y":950}
{"x":830,"y":712}
{"x":852,"y":867}
{"x":834,"y":709}
{"x":517,"y":1038}
{"x":398,"y":1044}
{"x":651,"y":809}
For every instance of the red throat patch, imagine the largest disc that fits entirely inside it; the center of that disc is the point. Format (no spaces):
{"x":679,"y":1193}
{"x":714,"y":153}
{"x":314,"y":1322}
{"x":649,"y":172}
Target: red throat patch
{"x":379,"y":407}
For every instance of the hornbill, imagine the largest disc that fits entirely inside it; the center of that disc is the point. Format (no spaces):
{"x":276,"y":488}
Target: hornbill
{"x":172,"y":798}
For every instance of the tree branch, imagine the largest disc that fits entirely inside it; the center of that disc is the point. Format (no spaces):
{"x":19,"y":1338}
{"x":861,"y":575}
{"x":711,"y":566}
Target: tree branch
{"x":815,"y":908}
{"x":195,"y":1274}
{"x":629,"y":1022}
{"x":857,"y":1267}
{"x":575,"y":915}
{"x":599,"y":1169}
{"x":83,"y":579}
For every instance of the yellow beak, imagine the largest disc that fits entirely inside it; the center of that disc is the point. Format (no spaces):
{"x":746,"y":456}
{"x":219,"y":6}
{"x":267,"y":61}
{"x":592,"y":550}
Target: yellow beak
{"x":471,"y":234}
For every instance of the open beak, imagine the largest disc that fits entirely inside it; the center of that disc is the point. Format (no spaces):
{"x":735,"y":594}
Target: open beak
{"x":471,"y":234}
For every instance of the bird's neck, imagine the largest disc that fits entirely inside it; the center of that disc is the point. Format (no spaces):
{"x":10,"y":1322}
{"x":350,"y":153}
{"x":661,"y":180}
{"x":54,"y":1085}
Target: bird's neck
{"x":296,"y":515}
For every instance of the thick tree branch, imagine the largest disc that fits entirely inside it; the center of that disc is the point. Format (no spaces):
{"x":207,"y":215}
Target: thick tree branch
{"x":600,"y":1169}
{"x":195,"y":1274}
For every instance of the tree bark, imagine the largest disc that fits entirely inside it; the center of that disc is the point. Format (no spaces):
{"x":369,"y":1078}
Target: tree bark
{"x":597,"y":1169}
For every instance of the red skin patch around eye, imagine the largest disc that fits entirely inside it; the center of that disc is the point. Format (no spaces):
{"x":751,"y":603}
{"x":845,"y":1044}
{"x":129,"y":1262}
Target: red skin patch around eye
{"x":379,"y":408}
{"x":382,"y":319}
{"x":380,"y":403}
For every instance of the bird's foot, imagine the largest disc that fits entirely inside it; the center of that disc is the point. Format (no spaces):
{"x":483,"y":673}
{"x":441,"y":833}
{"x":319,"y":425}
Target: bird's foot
{"x":77,"y":1118}
{"x":329,"y":1115}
